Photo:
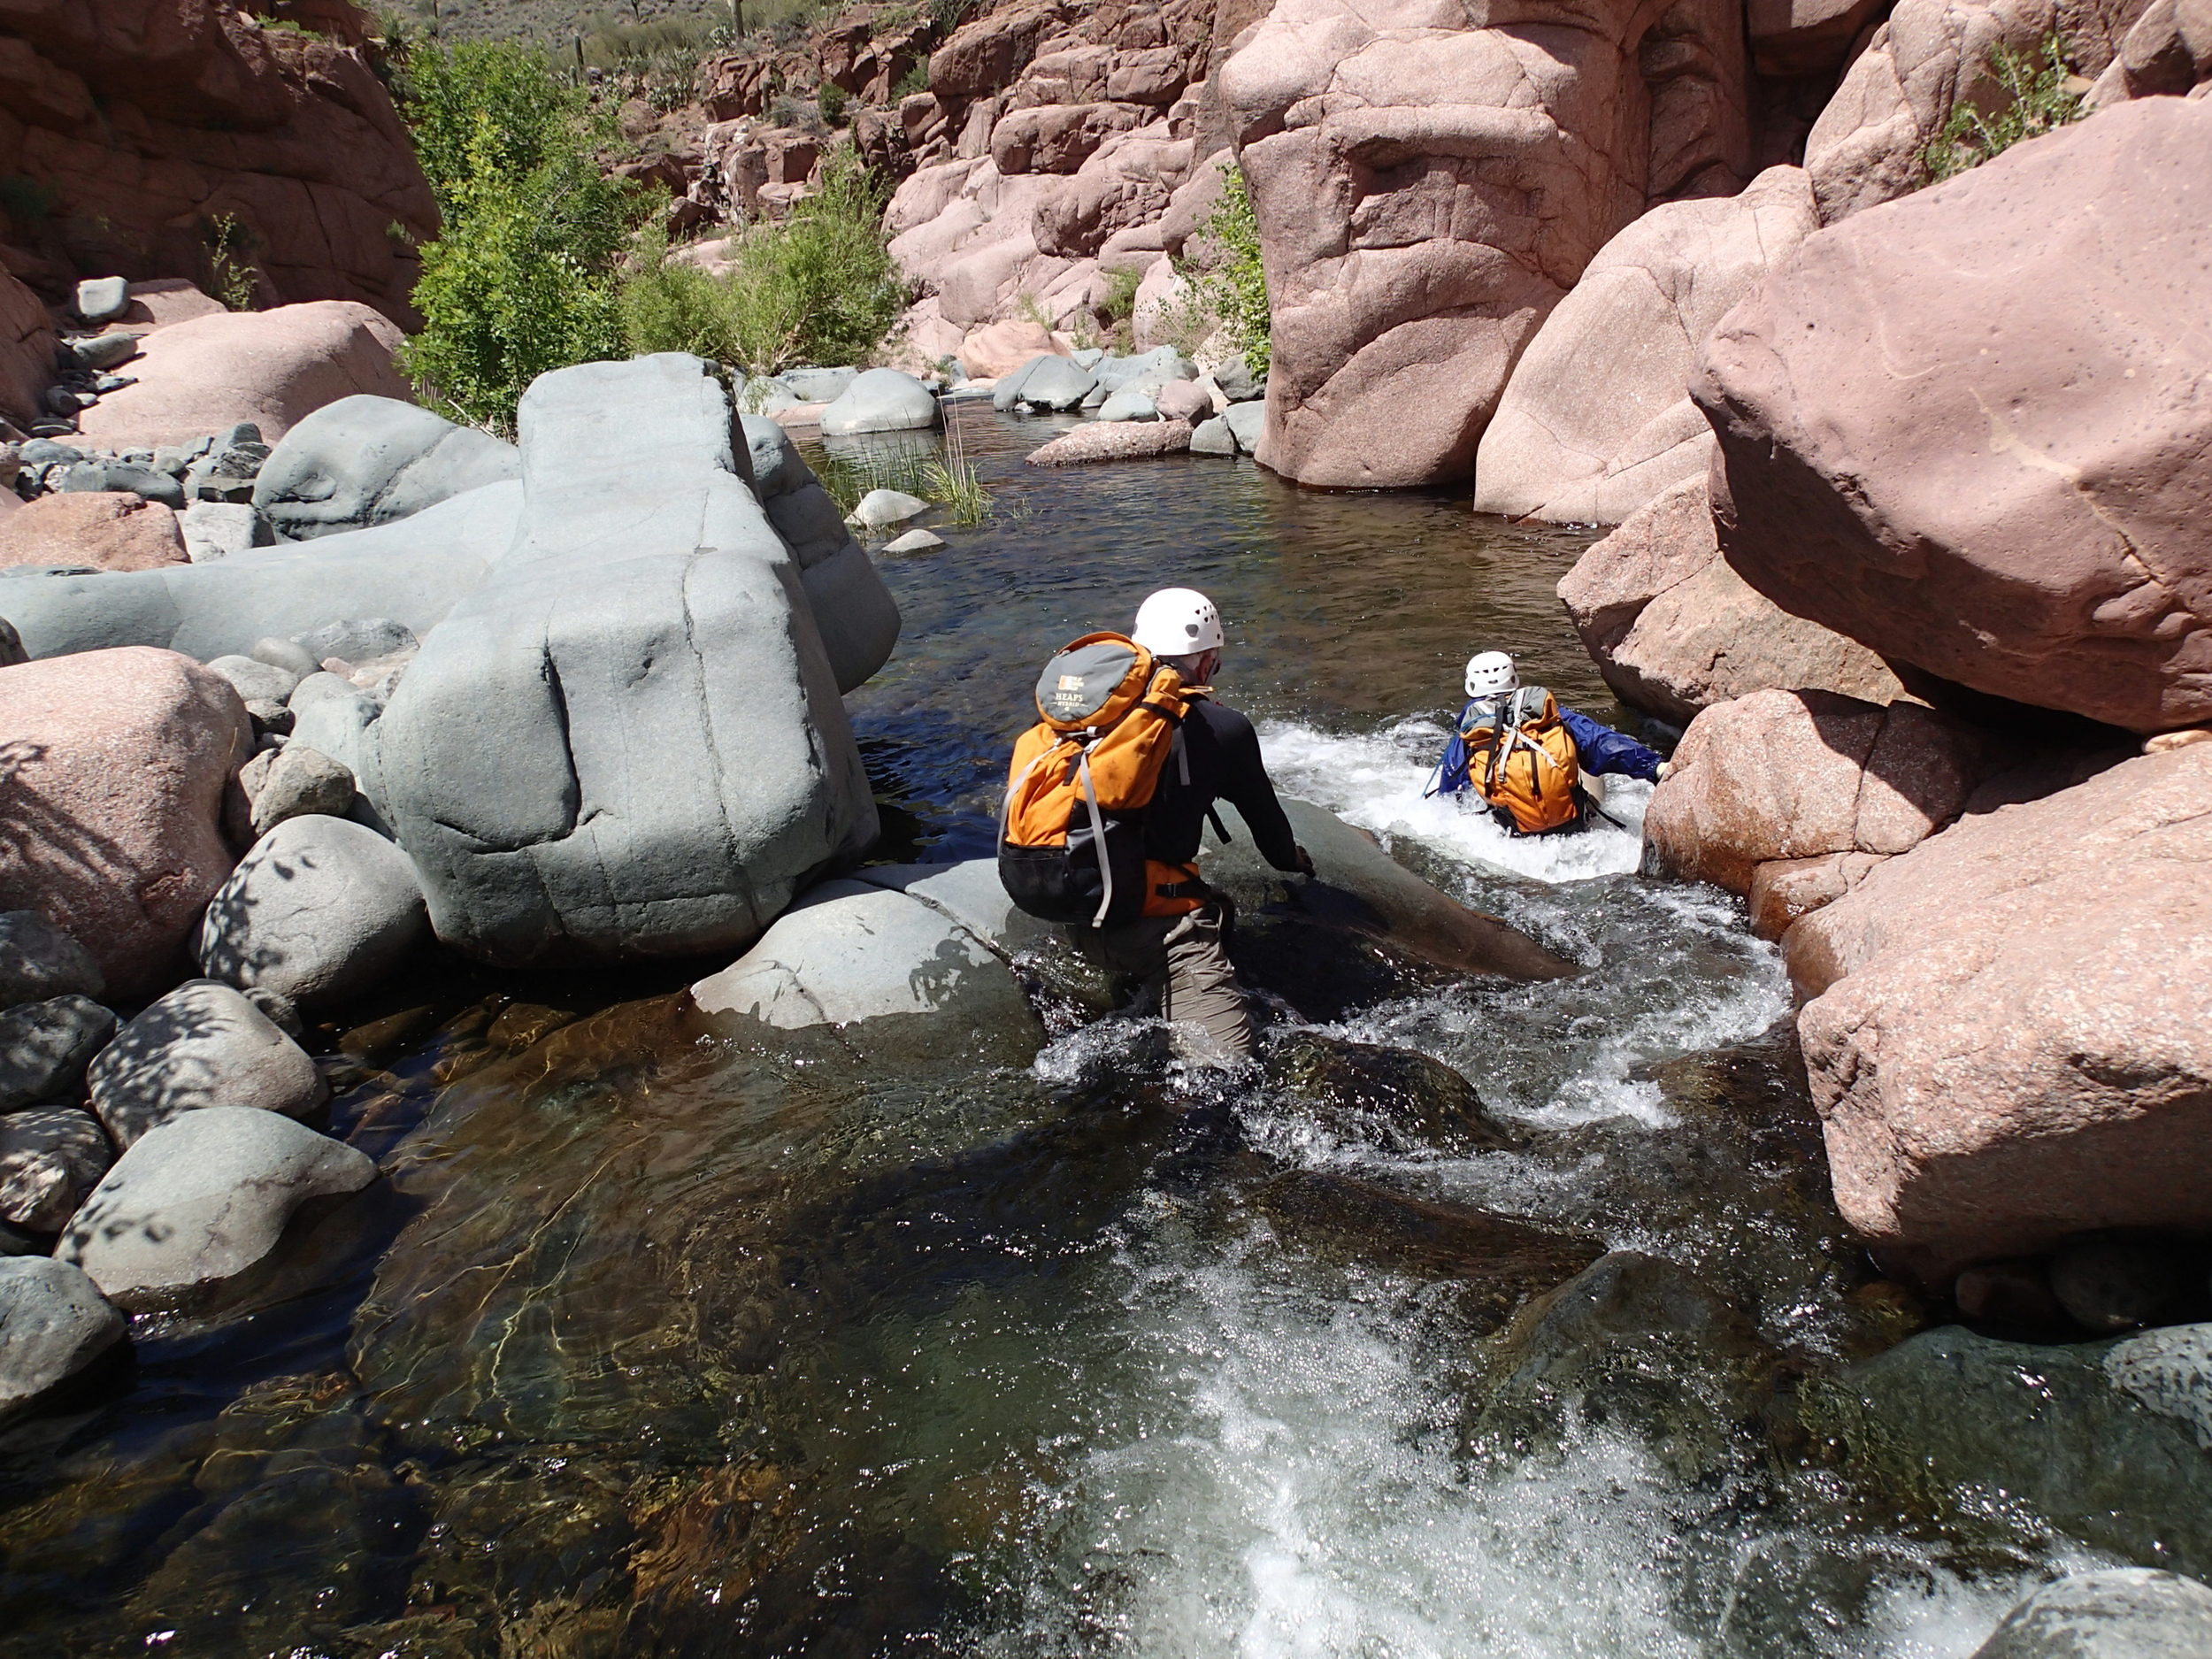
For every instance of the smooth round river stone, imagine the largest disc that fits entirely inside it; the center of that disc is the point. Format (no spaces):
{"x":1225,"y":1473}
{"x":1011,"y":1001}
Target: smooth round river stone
{"x":881,"y":507}
{"x":320,"y":910}
{"x":200,"y":1200}
{"x":2125,"y":1613}
{"x":50,"y":1156}
{"x":882,"y":400}
{"x":53,"y":1324}
{"x":203,"y":1046}
{"x":45,"y":1046}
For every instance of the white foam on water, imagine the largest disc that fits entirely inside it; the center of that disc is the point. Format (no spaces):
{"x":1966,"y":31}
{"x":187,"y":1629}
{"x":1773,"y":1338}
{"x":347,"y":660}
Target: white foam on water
{"x":1295,"y":1493}
{"x":1379,"y":781}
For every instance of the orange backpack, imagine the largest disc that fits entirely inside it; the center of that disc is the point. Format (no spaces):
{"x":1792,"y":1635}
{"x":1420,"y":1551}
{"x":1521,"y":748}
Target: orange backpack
{"x":1071,"y":834}
{"x":1522,"y":760}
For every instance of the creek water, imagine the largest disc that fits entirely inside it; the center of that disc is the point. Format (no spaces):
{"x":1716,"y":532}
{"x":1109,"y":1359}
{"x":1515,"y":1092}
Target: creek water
{"x":662,"y":1337}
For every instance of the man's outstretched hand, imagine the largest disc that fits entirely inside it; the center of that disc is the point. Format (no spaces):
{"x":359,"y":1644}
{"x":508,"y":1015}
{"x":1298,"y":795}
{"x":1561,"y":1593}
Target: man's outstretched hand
{"x":1305,"y":862}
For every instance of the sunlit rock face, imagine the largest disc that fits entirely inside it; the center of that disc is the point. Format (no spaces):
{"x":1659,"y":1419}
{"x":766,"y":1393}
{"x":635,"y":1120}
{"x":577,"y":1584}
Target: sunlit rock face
{"x":1430,"y":179}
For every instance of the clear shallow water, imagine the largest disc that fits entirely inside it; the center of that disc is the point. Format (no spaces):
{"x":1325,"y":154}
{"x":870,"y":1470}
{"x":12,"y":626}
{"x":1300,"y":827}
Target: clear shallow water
{"x":662,"y":1339}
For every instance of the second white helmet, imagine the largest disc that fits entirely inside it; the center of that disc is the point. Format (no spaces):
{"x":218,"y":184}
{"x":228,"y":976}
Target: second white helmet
{"x":1490,"y":674}
{"x":1178,"y":622}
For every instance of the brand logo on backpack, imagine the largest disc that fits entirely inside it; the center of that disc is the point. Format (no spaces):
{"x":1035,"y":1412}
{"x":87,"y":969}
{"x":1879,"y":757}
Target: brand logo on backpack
{"x":1071,"y":833}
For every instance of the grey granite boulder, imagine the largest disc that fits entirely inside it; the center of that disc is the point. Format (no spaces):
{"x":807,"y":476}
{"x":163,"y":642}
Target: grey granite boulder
{"x":2121,"y":1613}
{"x":255,"y":680}
{"x":329,"y":714}
{"x":413,"y":571}
{"x":200,"y":1200}
{"x":11,"y":651}
{"x":1007,"y":390}
{"x":366,"y":460}
{"x":51,"y":1157}
{"x":1129,"y":403}
{"x":923,"y":947}
{"x":359,"y":640}
{"x":854,"y":612}
{"x":914,"y":542}
{"x":45,"y":1046}
{"x":103,"y":299}
{"x":299,"y":780}
{"x":818,"y":386}
{"x":289,"y":655}
{"x":219,"y":530}
{"x":1212,"y":437}
{"x":114,"y":477}
{"x":38,"y":961}
{"x":881,"y":507}
{"x":1245,"y":422}
{"x":320,"y":910}
{"x":53,"y":1322}
{"x":629,"y":740}
{"x":202,"y":1046}
{"x":882,"y":400}
{"x":1154,"y":368}
{"x":1055,"y":383}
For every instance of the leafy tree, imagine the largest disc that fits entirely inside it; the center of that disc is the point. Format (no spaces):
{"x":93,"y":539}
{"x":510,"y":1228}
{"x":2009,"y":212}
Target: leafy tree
{"x":1236,"y":288}
{"x":523,"y":279}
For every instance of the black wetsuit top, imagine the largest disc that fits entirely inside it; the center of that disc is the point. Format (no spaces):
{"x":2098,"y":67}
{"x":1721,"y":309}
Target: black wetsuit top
{"x":1224,"y":752}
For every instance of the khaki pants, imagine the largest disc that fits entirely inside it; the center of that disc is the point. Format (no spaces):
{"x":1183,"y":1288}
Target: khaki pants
{"x":1184,"y":957}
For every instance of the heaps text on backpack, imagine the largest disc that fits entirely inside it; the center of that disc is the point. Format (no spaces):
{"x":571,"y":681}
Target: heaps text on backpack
{"x":1071,"y":834}
{"x":1521,"y":759}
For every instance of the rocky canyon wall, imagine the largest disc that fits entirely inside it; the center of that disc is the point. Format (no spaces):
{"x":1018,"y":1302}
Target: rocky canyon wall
{"x":129,"y":128}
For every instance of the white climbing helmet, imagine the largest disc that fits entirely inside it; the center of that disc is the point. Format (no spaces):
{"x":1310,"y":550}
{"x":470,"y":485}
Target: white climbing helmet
{"x":1490,"y":674}
{"x":1178,"y":622}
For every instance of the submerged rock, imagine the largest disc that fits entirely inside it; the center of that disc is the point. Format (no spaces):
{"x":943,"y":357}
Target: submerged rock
{"x":1392,"y":1097}
{"x":1292,"y":931}
{"x":1500,"y":1260}
{"x":1638,"y":1340}
{"x":197,"y":1200}
{"x":1114,"y":440}
{"x":1949,"y":1418}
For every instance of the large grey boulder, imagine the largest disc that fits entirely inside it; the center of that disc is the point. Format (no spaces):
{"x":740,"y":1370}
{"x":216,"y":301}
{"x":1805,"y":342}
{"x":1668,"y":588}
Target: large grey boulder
{"x":1147,"y":370}
{"x":53,"y":1324}
{"x":1007,"y":391}
{"x":818,"y":386}
{"x":202,"y":1198}
{"x":924,"y":948}
{"x":297,"y":780}
{"x":254,"y":680}
{"x":854,"y":611}
{"x":882,"y":400}
{"x":320,"y":910}
{"x":1055,"y":383}
{"x":2120,"y":1613}
{"x":329,"y":714}
{"x":51,"y":1157}
{"x":414,"y":571}
{"x":1245,"y":422}
{"x":38,"y":961}
{"x":202,"y":1046}
{"x":366,"y":460}
{"x":629,"y":740}
{"x":45,"y":1046}
{"x":1213,"y":437}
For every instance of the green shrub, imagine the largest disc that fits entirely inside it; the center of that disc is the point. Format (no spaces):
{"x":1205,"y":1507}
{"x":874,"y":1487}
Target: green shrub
{"x":915,"y":79}
{"x":1236,"y":288}
{"x":831,"y":100}
{"x":818,"y":288}
{"x":2035,"y":99}
{"x":523,"y":279}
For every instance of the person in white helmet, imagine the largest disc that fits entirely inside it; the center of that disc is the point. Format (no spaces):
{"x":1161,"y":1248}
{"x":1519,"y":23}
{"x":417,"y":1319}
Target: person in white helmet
{"x":1518,"y":751}
{"x":1217,"y":758}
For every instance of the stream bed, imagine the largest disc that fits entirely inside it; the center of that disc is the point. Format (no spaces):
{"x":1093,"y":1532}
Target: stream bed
{"x":662,"y":1338}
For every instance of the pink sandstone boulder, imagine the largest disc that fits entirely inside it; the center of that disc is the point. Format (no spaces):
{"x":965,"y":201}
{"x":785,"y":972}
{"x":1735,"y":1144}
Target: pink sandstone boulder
{"x":26,"y":353}
{"x":1805,"y":774}
{"x":2015,"y":1041}
{"x":113,"y":530}
{"x":2167,"y":54}
{"x":1430,"y":182}
{"x":274,"y":368}
{"x":1868,"y":144}
{"x":1674,"y":630}
{"x":111,"y":802}
{"x":1597,"y":419}
{"x":1972,"y":429}
{"x":998,"y":348}
{"x":1113,"y":441}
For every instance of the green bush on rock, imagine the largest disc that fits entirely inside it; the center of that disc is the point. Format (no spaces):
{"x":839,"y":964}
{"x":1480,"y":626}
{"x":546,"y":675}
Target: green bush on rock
{"x":1236,"y":288}
{"x":2033,"y":98}
{"x":523,"y":281}
{"x":818,"y":288}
